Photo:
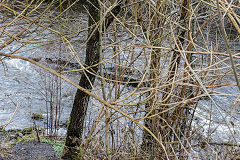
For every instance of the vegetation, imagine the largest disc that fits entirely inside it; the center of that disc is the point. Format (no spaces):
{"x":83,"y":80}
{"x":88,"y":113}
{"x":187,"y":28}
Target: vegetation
{"x":28,"y":130}
{"x":37,"y":116}
{"x":58,"y":146}
{"x":156,"y":79}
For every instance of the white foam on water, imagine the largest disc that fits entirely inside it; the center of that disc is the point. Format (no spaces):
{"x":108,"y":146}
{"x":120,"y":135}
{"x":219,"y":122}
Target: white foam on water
{"x":22,"y":65}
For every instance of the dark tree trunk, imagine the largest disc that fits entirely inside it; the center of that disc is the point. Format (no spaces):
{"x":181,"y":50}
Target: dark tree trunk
{"x":76,"y":122}
{"x":75,"y":128}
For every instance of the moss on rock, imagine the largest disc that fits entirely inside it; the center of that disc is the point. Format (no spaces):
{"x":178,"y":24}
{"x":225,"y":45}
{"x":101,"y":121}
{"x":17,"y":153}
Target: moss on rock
{"x":37,"y":116}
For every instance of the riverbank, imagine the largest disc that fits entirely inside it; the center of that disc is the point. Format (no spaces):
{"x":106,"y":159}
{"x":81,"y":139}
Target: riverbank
{"x":17,"y":145}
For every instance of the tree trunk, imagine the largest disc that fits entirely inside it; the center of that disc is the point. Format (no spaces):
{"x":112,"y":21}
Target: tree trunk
{"x":155,"y":122}
{"x":77,"y":116}
{"x":149,"y":145}
{"x":75,"y":128}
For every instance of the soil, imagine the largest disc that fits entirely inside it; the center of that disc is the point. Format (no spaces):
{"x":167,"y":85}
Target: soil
{"x":32,"y":150}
